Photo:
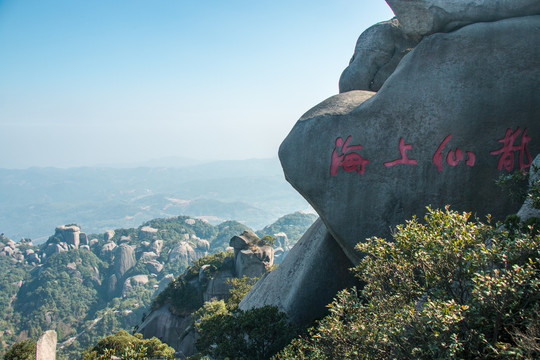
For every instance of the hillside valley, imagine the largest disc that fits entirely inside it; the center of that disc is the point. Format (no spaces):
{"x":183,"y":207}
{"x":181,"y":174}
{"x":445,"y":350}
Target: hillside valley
{"x":253,"y":192}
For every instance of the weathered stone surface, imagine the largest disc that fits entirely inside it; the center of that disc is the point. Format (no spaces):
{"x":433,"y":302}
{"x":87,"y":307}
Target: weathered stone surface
{"x":111,"y":285}
{"x":149,"y":255}
{"x":69,"y":234}
{"x":124,"y":259}
{"x":218,"y":287}
{"x":203,"y":245}
{"x":33,"y":258}
{"x":163,"y":283}
{"x":46,"y":346}
{"x":242,"y":241}
{"x":53,"y":249}
{"x":424,"y":17}
{"x":253,"y":263}
{"x":170,"y":329}
{"x":309,"y":277}
{"x":435,"y":133}
{"x":156,"y":246}
{"x":8,"y":251}
{"x":154,"y":266}
{"x":83,"y":239}
{"x":147,"y":232}
{"x":182,"y":252}
{"x":109,"y":234}
{"x":377,"y":53}
{"x":281,"y":239}
{"x":527,"y":210}
{"x":107,"y":251}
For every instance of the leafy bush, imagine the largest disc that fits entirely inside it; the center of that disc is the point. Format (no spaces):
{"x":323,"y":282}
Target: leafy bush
{"x":252,"y":334}
{"x":449,"y":288}
{"x":128,"y":346}
{"x":23,"y":350}
{"x":183,"y":297}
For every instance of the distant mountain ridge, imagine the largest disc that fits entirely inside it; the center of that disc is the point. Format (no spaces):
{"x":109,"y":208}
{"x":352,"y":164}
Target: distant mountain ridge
{"x":252,"y":192}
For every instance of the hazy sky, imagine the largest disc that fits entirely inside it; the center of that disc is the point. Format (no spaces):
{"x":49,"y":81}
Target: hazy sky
{"x":85,"y":82}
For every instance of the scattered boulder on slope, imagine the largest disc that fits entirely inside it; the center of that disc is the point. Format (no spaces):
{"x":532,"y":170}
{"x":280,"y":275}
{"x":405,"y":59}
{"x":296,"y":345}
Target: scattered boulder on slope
{"x":183,"y":252}
{"x":251,"y":257}
{"x":307,"y":279}
{"x":124,"y":259}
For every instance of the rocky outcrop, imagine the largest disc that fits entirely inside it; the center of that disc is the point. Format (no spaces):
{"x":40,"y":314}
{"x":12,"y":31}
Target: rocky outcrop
{"x":124,"y":259}
{"x":377,"y":53}
{"x":183,"y":252}
{"x":69,"y":234}
{"x":147,"y":232}
{"x":174,"y":330}
{"x":424,"y":17}
{"x":528,"y":210}
{"x":153,"y":266}
{"x":109,"y":234}
{"x":251,"y":257}
{"x":457,"y":112}
{"x":307,"y":280}
{"x":107,"y":251}
{"x":218,"y":286}
{"x":46,"y":346}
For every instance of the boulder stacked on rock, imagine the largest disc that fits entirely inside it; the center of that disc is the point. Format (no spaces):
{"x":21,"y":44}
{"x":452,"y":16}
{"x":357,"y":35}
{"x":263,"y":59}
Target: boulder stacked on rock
{"x":434,"y":107}
{"x":461,"y":109}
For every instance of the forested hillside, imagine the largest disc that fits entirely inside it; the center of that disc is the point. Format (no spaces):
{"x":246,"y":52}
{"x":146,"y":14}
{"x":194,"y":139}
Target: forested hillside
{"x":87,"y":286}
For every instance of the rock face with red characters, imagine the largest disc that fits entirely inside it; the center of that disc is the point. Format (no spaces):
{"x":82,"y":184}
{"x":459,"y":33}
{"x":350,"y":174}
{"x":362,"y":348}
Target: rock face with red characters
{"x":460,"y":109}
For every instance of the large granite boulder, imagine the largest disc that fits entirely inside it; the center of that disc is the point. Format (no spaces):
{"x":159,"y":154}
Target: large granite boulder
{"x":425,"y":17}
{"x":460,"y":110}
{"x":107,"y":251}
{"x":182,"y":252}
{"x":307,"y":280}
{"x":70,"y":234}
{"x":377,"y":53}
{"x":251,"y":257}
{"x":124,"y":259}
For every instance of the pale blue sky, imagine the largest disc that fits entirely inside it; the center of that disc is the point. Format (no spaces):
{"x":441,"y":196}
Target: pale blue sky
{"x":85,"y":82}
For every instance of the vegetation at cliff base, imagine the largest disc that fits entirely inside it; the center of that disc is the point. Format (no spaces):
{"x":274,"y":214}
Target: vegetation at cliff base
{"x":444,"y":288}
{"x":127,"y":346}
{"x":23,"y":350}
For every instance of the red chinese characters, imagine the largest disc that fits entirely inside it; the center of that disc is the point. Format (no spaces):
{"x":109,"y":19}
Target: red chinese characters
{"x":348,"y":158}
{"x":506,"y":152}
{"x":349,"y":161}
{"x":404,"y":158}
{"x":451,"y":158}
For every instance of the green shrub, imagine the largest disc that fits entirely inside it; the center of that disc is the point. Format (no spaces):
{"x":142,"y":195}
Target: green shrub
{"x":252,"y":334}
{"x":446,"y":288}
{"x":128,"y":346}
{"x":23,"y":350}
